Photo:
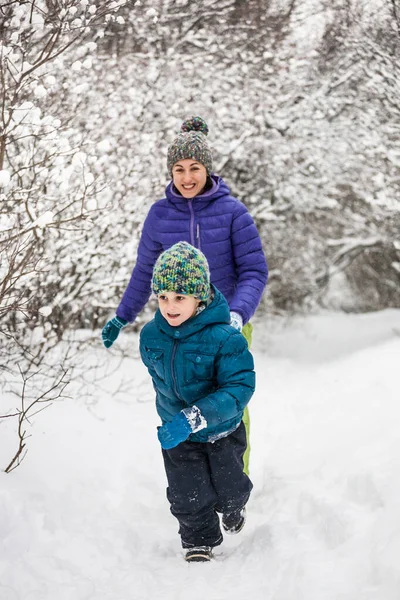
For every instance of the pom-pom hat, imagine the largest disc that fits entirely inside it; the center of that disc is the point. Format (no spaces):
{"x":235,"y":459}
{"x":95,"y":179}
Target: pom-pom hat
{"x":182,"y":269}
{"x":191,"y":143}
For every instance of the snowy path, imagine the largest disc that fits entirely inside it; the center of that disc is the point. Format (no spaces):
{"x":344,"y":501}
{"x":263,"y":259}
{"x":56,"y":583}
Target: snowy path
{"x":85,"y":517}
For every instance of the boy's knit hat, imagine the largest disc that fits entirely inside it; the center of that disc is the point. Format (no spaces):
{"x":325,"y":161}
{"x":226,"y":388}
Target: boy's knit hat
{"x":182,"y":269}
{"x":191,"y":143}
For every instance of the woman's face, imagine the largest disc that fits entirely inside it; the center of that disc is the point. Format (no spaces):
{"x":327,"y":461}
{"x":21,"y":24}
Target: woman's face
{"x":189,"y":177}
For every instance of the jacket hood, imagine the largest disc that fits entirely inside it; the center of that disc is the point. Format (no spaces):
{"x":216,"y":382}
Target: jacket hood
{"x":216,"y":313}
{"x":218,"y":189}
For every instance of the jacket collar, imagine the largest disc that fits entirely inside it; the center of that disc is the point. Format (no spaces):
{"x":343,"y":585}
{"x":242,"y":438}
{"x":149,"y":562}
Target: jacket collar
{"x":218,"y":189}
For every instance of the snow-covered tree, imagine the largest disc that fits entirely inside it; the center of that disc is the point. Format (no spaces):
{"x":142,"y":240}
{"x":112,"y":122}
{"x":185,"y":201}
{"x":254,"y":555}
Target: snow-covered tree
{"x":47,"y":188}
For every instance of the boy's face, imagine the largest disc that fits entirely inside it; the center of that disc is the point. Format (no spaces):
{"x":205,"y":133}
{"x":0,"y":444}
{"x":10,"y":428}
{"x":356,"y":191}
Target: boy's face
{"x":177,"y":308}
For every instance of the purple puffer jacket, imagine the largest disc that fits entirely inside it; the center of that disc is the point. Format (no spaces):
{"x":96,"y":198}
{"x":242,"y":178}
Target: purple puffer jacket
{"x":222,"y":228}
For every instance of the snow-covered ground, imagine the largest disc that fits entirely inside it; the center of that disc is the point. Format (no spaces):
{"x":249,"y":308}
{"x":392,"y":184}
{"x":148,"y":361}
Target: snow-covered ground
{"x":85,"y":516}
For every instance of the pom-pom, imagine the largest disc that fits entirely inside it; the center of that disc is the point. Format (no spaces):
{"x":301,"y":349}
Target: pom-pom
{"x":195,"y":124}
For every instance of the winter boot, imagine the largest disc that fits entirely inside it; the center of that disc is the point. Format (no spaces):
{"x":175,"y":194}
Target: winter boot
{"x":199,"y":554}
{"x":234,"y":522}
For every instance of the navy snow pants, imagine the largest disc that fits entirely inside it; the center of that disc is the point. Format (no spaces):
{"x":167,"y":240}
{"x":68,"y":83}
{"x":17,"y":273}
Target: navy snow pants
{"x":203,"y":479}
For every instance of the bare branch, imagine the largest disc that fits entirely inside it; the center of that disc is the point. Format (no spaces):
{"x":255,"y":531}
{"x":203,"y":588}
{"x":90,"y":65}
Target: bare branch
{"x":27,"y":412}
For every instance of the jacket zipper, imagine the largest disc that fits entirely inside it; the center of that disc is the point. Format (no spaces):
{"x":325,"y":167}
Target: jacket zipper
{"x":173,"y":371}
{"x":198,"y":236}
{"x":192,"y":240}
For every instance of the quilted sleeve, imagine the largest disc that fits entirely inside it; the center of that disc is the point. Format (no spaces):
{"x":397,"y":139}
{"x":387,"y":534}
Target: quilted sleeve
{"x":236,"y":382}
{"x":139,"y":287}
{"x":250,"y":262}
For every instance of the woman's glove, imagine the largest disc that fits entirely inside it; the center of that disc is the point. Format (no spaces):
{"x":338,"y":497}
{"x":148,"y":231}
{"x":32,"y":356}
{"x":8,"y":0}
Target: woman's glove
{"x":236,"y":321}
{"x":182,"y":425}
{"x":111,"y":330}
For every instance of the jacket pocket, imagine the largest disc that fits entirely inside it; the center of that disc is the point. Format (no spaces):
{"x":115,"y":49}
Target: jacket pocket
{"x":156,"y":362}
{"x":198,"y":367}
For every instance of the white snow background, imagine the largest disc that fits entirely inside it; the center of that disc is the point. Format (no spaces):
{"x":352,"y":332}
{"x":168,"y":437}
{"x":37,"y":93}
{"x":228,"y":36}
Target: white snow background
{"x":85,"y":516}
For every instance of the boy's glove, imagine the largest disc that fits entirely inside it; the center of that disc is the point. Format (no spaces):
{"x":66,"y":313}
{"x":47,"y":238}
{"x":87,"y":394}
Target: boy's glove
{"x":173,"y":433}
{"x":111,"y":330}
{"x":182,"y":425}
{"x":236,"y":321}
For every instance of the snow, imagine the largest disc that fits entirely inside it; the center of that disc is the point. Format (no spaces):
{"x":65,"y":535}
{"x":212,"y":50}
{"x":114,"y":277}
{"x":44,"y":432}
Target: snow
{"x":87,"y":64}
{"x":5,"y":178}
{"x":85,"y":516}
{"x":77,"y":65}
{"x":79,"y":159}
{"x":43,"y":220}
{"x":40,"y":91}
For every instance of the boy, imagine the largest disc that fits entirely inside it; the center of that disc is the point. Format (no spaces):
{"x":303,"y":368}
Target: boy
{"x":203,"y":375}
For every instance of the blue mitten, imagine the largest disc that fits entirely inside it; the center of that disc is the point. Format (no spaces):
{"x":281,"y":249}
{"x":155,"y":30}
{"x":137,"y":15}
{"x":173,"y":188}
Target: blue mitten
{"x":111,"y":330}
{"x":236,"y":321}
{"x":182,"y":425}
{"x":173,"y":433}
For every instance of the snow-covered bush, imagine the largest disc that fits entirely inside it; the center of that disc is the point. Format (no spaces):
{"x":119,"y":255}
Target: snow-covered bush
{"x":48,"y":190}
{"x":297,"y":131}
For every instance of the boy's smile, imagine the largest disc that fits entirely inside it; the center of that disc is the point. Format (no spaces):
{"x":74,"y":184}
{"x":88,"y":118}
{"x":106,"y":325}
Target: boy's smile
{"x":177,"y":308}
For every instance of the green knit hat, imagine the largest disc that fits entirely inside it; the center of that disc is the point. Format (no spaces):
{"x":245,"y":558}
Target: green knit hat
{"x":191,"y":143}
{"x":182,"y":269}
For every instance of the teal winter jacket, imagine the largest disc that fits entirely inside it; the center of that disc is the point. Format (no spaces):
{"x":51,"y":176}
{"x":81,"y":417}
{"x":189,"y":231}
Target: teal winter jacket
{"x":203,"y":362}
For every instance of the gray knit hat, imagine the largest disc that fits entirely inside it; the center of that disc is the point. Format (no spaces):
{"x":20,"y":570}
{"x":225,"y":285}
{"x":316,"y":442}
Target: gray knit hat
{"x":191,"y":143}
{"x":182,"y":269}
